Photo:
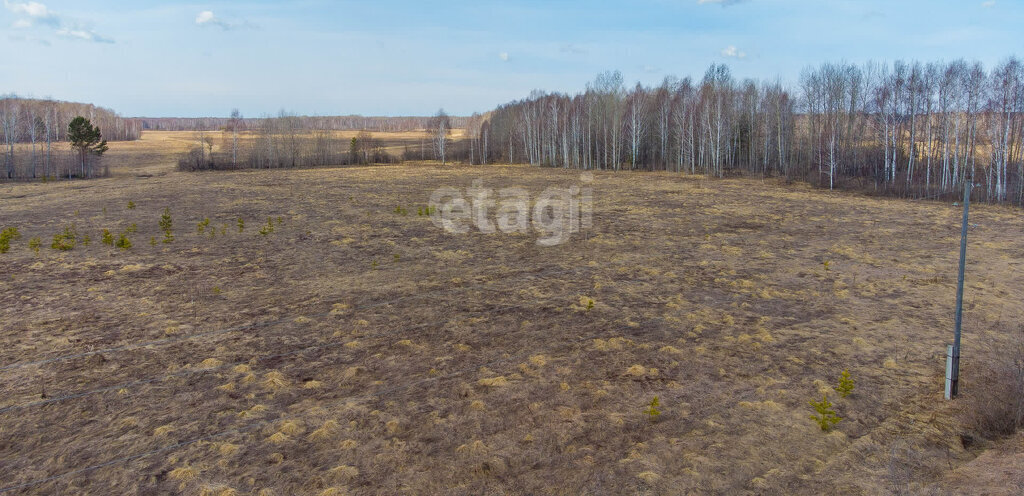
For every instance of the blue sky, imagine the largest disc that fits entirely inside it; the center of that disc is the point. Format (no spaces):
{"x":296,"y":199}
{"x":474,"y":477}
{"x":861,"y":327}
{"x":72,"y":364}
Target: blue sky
{"x":149,"y":58}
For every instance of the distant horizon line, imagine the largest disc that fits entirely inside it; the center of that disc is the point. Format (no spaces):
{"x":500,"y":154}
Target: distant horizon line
{"x":15,"y":96}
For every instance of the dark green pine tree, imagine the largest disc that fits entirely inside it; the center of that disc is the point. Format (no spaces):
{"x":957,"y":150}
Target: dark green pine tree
{"x":87,"y":139}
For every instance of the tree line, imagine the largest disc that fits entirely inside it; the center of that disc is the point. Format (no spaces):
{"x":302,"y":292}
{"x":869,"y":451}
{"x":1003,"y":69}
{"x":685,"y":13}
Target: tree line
{"x":290,"y":141}
{"x":41,"y":124}
{"x":906,"y":128}
{"x":382,"y":124}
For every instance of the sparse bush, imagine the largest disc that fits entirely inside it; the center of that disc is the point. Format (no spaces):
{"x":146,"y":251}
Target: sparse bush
{"x":845,"y":386}
{"x":241,"y":224}
{"x":107,"y":239}
{"x":826,"y":417}
{"x":152,"y":241}
{"x":993,"y":392}
{"x":66,"y":240}
{"x":6,"y":236}
{"x":167,"y":225}
{"x":132,"y":228}
{"x":131,"y":205}
{"x":35,"y":243}
{"x":401,"y":211}
{"x":652,"y":408}
{"x":202,"y":225}
{"x":86,"y":240}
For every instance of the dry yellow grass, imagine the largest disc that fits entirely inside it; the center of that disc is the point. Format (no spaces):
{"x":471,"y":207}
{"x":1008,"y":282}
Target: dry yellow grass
{"x":711,"y":295}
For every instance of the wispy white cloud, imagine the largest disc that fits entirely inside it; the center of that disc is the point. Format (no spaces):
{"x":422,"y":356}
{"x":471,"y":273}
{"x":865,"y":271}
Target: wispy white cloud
{"x":207,"y":18}
{"x":733,"y":52}
{"x":82,"y":34}
{"x":503,"y":56}
{"x":988,"y":4}
{"x":35,"y":13}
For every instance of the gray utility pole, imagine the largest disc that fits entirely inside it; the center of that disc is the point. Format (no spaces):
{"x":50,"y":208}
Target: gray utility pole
{"x":953,"y":352}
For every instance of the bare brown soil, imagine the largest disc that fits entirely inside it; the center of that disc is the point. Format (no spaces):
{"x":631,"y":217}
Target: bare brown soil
{"x":358,"y":350}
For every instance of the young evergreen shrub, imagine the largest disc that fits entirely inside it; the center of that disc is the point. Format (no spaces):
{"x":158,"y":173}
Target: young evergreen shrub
{"x":652,"y":408}
{"x":826,"y":417}
{"x":66,"y":240}
{"x":167,"y":225}
{"x":123,"y":242}
{"x":35,"y":243}
{"x":6,"y":236}
{"x":845,"y":386}
{"x":107,"y":239}
{"x":267,"y":229}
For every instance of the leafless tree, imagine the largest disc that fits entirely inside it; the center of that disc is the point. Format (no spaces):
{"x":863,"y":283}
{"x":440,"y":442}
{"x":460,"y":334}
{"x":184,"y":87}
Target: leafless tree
{"x":440,"y":128}
{"x":905,"y":128}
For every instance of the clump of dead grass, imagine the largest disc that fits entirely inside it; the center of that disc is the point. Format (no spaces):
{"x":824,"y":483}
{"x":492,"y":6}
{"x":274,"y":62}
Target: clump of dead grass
{"x":274,"y":380}
{"x":344,"y":473}
{"x":183,"y":474}
{"x":493,"y":382}
{"x":325,"y":432}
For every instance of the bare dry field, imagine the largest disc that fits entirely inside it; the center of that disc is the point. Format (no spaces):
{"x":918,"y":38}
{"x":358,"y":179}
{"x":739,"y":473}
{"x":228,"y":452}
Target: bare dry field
{"x":156,"y":152}
{"x":360,"y":350}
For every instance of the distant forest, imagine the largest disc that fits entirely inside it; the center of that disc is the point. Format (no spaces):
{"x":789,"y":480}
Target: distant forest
{"x":27,"y":120}
{"x":907,"y":128}
{"x":43,"y":123}
{"x":910,"y":129}
{"x":311,"y":123}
